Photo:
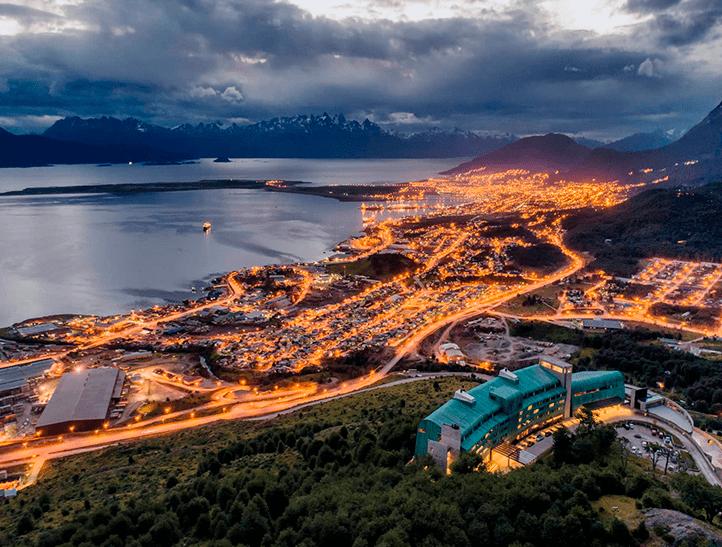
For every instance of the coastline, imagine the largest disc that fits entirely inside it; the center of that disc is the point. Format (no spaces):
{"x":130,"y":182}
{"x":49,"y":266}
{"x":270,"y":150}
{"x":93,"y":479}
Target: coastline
{"x":346,"y":192}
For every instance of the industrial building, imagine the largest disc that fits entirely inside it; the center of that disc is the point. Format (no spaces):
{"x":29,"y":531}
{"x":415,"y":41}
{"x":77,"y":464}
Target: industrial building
{"x":602,"y":324}
{"x":81,"y":401}
{"x":511,"y":406}
{"x":14,"y":382}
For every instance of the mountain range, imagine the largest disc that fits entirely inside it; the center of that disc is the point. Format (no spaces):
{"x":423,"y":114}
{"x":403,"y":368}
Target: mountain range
{"x":112,"y":140}
{"x":108,"y":139}
{"x":694,"y":158}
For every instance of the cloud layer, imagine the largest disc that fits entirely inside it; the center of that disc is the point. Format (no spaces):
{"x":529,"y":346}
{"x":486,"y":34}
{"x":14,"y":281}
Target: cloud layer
{"x":509,"y":67}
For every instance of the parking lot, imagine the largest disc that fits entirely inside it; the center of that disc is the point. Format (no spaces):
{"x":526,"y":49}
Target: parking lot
{"x":640,"y":437}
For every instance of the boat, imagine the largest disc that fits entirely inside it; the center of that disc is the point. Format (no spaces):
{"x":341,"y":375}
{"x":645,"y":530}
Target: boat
{"x":206,"y":227}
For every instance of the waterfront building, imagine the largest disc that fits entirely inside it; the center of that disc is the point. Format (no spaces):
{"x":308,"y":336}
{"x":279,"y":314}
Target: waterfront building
{"x":511,"y":406}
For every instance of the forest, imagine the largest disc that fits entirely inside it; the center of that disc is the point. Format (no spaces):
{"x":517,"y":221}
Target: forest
{"x":684,"y":223}
{"x":642,"y":359}
{"x":341,"y":474}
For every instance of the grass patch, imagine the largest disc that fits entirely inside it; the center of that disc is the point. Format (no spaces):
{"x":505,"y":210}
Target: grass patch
{"x":379,"y":266}
{"x":622,"y":507}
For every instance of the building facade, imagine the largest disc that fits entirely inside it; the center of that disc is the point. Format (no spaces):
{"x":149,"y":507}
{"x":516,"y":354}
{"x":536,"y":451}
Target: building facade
{"x":511,"y":406}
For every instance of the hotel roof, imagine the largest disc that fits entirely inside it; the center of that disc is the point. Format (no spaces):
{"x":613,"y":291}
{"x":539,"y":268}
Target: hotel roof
{"x":488,"y":401}
{"x":488,"y":397}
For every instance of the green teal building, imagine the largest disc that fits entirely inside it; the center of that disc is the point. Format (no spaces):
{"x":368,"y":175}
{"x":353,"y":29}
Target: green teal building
{"x":511,"y":406}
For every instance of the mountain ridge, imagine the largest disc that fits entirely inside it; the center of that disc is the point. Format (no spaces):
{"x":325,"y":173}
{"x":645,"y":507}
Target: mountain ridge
{"x":696,"y":157}
{"x":302,"y":135}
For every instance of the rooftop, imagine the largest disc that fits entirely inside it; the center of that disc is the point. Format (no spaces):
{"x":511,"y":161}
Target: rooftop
{"x":82,"y":395}
{"x":589,"y":379}
{"x":602,"y":324}
{"x":15,"y":377}
{"x":488,"y":396}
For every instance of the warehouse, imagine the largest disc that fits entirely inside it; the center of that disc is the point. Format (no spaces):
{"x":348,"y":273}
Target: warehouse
{"x":81,"y":401}
{"x":602,"y":324}
{"x":511,"y":406}
{"x":14,"y":380}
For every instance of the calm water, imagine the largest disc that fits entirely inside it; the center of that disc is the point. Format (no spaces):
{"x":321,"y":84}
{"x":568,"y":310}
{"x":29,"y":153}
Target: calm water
{"x":104,"y":254}
{"x":314,"y":171}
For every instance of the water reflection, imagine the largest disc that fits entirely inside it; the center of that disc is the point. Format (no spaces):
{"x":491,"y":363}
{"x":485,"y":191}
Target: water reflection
{"x":102,"y":254}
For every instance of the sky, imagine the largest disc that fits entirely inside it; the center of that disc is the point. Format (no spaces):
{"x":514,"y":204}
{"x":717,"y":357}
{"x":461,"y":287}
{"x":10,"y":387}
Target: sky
{"x":597,"y":68}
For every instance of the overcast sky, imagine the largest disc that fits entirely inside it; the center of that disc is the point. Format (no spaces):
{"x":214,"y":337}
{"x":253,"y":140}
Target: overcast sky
{"x":593,"y":67}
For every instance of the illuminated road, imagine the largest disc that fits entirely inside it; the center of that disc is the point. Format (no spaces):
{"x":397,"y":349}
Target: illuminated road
{"x":269,"y":403}
{"x":37,"y":453}
{"x":406,"y":310}
{"x":645,"y":319}
{"x":234,"y":291}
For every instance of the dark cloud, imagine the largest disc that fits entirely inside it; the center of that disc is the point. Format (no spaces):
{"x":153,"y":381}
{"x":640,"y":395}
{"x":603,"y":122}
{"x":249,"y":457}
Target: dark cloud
{"x":645,"y":6}
{"x":689,"y":23}
{"x":189,"y":60}
{"x":26,"y":14}
{"x":678,"y":22}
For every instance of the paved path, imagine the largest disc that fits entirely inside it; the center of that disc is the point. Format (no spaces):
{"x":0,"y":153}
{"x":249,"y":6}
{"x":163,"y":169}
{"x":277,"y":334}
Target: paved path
{"x":39,"y":454}
{"x":700,"y":458}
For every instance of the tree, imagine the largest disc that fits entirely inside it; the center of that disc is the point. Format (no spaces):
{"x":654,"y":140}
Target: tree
{"x":166,"y":530}
{"x":467,"y":462}
{"x":255,"y":522}
{"x":667,"y":453}
{"x":699,"y":494}
{"x":624,"y":452}
{"x":24,"y":525}
{"x":562,"y":446}
{"x":655,"y":450}
{"x":620,"y":533}
{"x":587,"y":421}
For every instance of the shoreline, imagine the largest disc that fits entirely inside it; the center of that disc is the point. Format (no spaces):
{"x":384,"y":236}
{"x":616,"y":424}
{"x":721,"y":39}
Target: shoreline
{"x":344,"y":192}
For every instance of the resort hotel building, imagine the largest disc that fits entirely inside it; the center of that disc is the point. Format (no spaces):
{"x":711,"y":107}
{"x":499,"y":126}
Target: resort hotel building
{"x":511,"y":406}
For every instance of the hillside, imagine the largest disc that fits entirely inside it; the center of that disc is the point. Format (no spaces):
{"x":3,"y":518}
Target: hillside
{"x":702,"y":142}
{"x":694,"y":158}
{"x":659,"y":222}
{"x":338,"y":474}
{"x":546,"y":152}
{"x":640,"y":141}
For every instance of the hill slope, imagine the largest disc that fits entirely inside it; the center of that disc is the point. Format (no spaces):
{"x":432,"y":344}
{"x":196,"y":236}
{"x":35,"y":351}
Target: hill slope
{"x":659,"y":222}
{"x":545,"y":152}
{"x":694,"y":158}
{"x":331,"y":475}
{"x":640,"y":141}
